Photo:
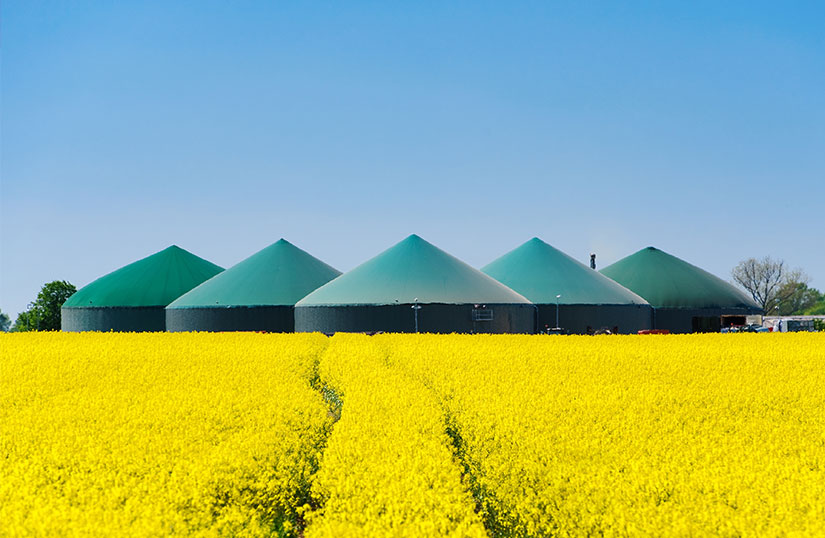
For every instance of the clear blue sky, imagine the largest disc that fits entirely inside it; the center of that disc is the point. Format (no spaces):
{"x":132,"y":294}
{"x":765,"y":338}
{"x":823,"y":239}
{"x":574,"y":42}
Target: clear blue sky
{"x":696,"y":127}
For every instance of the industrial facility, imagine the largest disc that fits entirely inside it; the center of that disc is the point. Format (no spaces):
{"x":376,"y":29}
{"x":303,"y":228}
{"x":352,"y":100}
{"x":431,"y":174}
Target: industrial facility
{"x":133,"y":298}
{"x":415,"y":287}
{"x":685,"y":298}
{"x":411,"y":287}
{"x":567,"y":293}
{"x":257,"y":294}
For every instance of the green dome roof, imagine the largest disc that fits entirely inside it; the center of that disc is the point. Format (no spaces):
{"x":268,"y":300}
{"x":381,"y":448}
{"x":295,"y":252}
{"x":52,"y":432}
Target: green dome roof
{"x":278,"y":275}
{"x":412,"y":270}
{"x":540,"y":272}
{"x":153,"y":281}
{"x":667,"y":281}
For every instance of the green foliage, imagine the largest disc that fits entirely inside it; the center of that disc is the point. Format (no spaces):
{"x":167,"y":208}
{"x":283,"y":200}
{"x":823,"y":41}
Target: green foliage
{"x":819,"y":324}
{"x":24,"y":322}
{"x":818,"y":309}
{"x":797,"y":298}
{"x":5,"y":322}
{"x":44,"y":313}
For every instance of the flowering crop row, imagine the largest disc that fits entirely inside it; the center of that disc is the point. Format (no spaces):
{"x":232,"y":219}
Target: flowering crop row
{"x":388,"y":469}
{"x":690,"y":435}
{"x":236,"y":435}
{"x":157,"y":434}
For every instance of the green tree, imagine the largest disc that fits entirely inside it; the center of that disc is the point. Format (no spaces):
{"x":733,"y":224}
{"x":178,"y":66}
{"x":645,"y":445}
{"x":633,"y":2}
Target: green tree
{"x":797,"y":298}
{"x":818,"y":309}
{"x":24,"y":322}
{"x":44,"y":313}
{"x":5,"y":322}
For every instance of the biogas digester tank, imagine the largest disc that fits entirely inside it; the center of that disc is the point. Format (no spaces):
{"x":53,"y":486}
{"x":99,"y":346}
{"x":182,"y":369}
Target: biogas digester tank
{"x":684,"y":297}
{"x":588,"y":300}
{"x":257,"y":294}
{"x":414,"y":285}
{"x":133,"y":298}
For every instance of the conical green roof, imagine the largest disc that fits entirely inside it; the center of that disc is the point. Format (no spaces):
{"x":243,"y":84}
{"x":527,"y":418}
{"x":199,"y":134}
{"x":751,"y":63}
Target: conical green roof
{"x":412,"y":269}
{"x":667,"y":281}
{"x":540,"y":272}
{"x":281,"y":274}
{"x":153,"y":281}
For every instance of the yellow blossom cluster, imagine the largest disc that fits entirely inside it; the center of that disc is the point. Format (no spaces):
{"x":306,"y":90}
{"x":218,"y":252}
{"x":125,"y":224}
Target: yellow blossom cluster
{"x":699,"y":435}
{"x":388,"y":469}
{"x":157,"y":434}
{"x":411,"y":435}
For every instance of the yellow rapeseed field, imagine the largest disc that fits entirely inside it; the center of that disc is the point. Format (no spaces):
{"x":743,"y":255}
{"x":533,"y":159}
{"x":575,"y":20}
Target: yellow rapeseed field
{"x":157,"y":434}
{"x":412,"y":435}
{"x":699,"y":435}
{"x":389,"y":467}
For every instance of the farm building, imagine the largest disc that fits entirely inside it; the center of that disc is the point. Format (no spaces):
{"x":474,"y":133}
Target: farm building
{"x":257,"y":294}
{"x":133,"y":297}
{"x":589,"y":301}
{"x":415,"y":286}
{"x":685,"y":298}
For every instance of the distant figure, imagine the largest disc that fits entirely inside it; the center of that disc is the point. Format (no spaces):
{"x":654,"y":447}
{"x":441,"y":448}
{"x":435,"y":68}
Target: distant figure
{"x":593,"y":261}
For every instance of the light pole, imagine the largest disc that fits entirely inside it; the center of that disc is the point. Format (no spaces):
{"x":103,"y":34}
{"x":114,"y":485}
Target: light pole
{"x":557,"y":310}
{"x":416,"y":307}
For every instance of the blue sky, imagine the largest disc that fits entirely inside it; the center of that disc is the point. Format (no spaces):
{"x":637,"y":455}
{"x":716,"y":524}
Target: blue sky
{"x":696,"y":127}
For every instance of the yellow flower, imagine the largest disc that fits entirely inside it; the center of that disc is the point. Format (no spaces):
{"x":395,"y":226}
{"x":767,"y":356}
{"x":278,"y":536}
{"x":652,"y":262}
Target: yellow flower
{"x":411,"y":435}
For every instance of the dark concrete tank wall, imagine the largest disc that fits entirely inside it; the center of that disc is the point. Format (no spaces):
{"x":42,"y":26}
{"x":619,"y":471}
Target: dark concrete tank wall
{"x":276,"y":319}
{"x":120,"y":319}
{"x":576,"y":319}
{"x":432,"y":318}
{"x":680,"y":320}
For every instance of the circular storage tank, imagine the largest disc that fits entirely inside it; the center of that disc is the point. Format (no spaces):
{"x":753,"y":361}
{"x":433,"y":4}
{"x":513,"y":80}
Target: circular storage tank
{"x":414,"y":285}
{"x":589,"y":301}
{"x":685,"y":298}
{"x":133,"y":298}
{"x":257,"y":294}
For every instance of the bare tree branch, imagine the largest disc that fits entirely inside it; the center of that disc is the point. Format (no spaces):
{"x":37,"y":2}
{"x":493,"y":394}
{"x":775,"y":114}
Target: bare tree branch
{"x":768,"y":281}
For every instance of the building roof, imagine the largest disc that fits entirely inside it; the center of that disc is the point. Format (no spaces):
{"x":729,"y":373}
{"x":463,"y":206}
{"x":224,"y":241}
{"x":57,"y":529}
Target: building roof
{"x":153,"y":281}
{"x":540,"y":272}
{"x":667,"y":281}
{"x":279,"y":275}
{"x":408,"y":271}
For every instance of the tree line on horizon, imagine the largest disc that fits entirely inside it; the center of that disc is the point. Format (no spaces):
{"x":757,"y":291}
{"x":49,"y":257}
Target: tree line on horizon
{"x":779,"y":290}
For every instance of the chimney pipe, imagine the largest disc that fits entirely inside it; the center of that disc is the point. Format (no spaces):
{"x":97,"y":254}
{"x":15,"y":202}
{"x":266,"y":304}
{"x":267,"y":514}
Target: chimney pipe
{"x":593,"y":261}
